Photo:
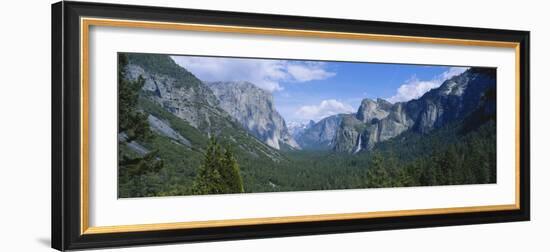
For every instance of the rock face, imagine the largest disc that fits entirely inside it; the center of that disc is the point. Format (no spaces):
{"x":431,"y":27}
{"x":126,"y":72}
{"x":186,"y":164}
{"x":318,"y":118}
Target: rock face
{"x":165,"y":129}
{"x":253,"y":108}
{"x":320,"y":135}
{"x":207,"y":106}
{"x":455,"y":99}
{"x":371,"y":109}
{"x":348,"y":133}
{"x":176,"y":90}
{"x":215,"y":107}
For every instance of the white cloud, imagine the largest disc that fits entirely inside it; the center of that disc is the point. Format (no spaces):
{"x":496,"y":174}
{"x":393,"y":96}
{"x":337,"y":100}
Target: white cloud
{"x":324,"y":109}
{"x":414,"y":88}
{"x":266,"y":74}
{"x":453,"y":71}
{"x":308,"y":72}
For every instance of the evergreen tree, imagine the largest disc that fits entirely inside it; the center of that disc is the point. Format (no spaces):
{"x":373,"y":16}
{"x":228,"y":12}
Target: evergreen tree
{"x":377,"y":174}
{"x":447,"y":165}
{"x":219,"y":173}
{"x":230,"y":173}
{"x":428,"y":172}
{"x":133,"y":123}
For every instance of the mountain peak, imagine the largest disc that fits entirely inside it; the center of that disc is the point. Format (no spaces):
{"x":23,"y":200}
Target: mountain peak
{"x":243,"y":85}
{"x":379,"y":120}
{"x":171,"y":85}
{"x":383,"y":101}
{"x":253,"y":108}
{"x":371,"y":109}
{"x":319,"y":135}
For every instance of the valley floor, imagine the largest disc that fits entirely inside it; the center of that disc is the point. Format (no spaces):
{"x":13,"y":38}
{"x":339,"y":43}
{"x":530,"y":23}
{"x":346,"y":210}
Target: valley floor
{"x":447,"y":156}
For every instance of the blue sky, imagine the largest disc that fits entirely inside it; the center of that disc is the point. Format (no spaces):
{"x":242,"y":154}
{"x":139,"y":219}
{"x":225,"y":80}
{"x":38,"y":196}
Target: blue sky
{"x":312,"y":90}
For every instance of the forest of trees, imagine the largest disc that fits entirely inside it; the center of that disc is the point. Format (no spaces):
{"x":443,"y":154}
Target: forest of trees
{"x":446,"y":156}
{"x":219,"y":173}
{"x":229,"y":160}
{"x":470,"y":162}
{"x":138,"y":175}
{"x":133,"y":126}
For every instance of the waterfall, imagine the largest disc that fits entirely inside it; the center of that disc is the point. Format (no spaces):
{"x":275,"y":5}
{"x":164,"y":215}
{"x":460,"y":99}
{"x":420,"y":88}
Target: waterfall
{"x":358,"y":145}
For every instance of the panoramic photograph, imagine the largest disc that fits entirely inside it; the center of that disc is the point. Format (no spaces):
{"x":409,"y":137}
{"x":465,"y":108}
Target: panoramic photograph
{"x":199,"y":125}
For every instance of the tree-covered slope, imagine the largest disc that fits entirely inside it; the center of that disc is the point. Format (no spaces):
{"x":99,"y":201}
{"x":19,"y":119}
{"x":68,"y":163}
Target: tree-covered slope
{"x":176,"y":139}
{"x":182,"y":104}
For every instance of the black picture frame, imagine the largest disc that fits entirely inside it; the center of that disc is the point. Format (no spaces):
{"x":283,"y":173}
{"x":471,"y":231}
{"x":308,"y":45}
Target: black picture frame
{"x":66,"y":125}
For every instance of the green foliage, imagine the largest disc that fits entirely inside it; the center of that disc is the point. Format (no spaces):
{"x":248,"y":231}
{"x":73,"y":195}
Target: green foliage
{"x":130,"y":120}
{"x":219,"y":172}
{"x":443,"y":157}
{"x":149,"y":163}
{"x":163,"y":64}
{"x":460,"y":153}
{"x":134,"y":170}
{"x":181,"y":126}
{"x":134,"y":173}
{"x":451,"y":160}
{"x":380,"y":173}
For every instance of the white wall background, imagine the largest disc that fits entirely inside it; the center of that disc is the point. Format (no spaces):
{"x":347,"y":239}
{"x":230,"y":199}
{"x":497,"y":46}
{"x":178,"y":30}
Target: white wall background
{"x":25,"y":125}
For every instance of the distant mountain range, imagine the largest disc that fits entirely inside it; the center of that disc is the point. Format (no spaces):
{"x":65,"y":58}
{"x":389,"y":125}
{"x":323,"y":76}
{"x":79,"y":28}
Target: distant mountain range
{"x":320,"y":135}
{"x":211,"y":107}
{"x":296,"y":128}
{"x":378,"y":120}
{"x":446,"y":136}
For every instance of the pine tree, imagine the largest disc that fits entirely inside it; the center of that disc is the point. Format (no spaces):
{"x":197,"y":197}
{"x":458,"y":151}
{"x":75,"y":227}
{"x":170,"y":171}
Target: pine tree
{"x":219,"y":173}
{"x":377,"y":174}
{"x":131,"y":121}
{"x":231,"y":174}
{"x":447,"y":162}
{"x":134,"y":125}
{"x":429,"y":172}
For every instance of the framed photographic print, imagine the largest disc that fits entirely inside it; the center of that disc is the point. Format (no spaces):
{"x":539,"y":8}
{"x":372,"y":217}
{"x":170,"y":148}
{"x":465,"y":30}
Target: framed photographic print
{"x":179,"y":125}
